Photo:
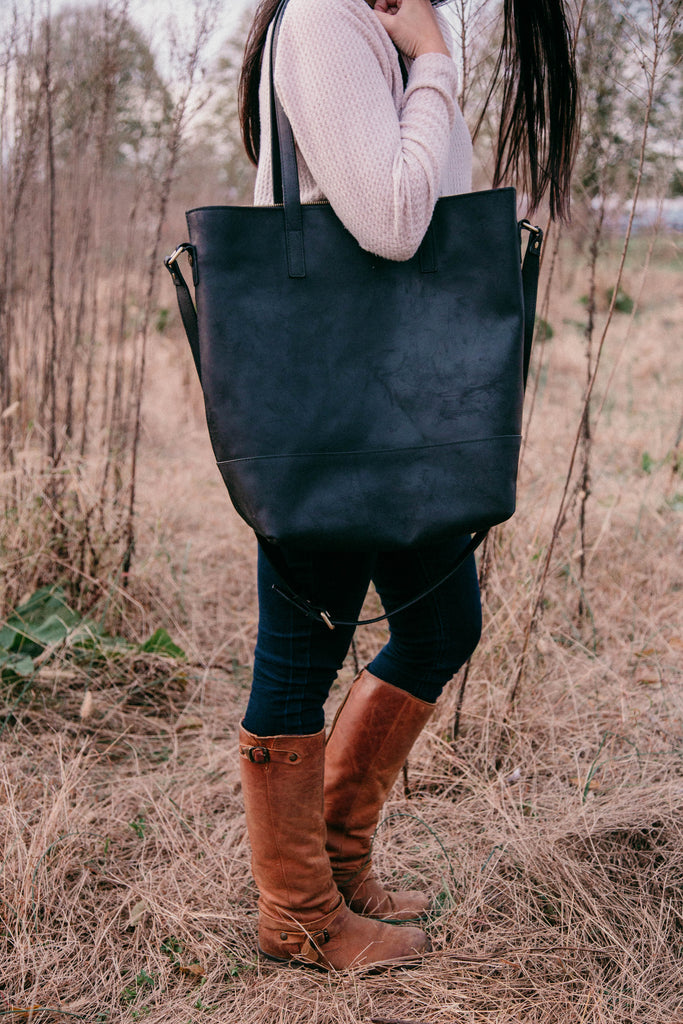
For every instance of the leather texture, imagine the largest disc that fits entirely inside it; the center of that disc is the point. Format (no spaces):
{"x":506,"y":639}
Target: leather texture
{"x":370,"y":739}
{"x":302,"y":915}
{"x":367,"y":405}
{"x":354,"y":401}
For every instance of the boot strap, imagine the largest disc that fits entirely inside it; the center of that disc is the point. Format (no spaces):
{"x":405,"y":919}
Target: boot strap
{"x":311,"y":938}
{"x":311,"y":947}
{"x":264,"y":755}
{"x":311,"y":942}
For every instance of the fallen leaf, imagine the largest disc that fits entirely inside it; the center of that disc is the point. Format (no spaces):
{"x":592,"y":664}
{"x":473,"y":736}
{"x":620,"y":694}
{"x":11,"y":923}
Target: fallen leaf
{"x":194,"y":970}
{"x":6,"y":413}
{"x":87,"y":706}
{"x":186,"y":722}
{"x":136,"y":914}
{"x":593,"y":785}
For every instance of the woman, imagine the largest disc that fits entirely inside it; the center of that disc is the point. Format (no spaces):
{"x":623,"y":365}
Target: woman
{"x":381,"y":150}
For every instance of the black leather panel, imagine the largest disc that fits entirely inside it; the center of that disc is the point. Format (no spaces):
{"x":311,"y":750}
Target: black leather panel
{"x":358,"y":334}
{"x":360,"y":355}
{"x":377,"y":500}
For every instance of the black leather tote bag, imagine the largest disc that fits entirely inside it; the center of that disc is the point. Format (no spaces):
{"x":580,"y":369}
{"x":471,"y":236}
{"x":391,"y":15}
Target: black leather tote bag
{"x":355,"y":402}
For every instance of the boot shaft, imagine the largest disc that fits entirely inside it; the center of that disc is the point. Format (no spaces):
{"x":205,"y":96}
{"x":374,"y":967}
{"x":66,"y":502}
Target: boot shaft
{"x":370,"y":739}
{"x":282,"y":787}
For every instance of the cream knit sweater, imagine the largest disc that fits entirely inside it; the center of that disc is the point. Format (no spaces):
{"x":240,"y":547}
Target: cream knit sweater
{"x":380,"y":155}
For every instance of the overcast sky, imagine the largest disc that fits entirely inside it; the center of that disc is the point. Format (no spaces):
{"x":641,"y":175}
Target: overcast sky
{"x":148,"y":14}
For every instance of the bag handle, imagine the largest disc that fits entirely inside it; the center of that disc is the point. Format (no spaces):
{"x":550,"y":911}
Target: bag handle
{"x":285,"y":173}
{"x":283,"y":158}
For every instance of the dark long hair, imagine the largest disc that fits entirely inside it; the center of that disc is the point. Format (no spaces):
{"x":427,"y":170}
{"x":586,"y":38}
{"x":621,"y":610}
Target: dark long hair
{"x":539,"y":111}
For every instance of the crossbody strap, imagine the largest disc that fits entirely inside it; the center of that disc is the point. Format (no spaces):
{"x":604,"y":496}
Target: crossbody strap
{"x":312,"y":611}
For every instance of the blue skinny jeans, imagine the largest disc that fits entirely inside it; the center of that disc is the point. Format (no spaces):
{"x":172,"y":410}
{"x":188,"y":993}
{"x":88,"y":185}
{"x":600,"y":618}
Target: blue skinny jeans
{"x":297,"y":659}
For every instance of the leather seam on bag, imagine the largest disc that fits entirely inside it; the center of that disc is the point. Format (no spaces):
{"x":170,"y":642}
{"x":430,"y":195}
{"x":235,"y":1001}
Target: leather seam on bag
{"x":369,"y":451}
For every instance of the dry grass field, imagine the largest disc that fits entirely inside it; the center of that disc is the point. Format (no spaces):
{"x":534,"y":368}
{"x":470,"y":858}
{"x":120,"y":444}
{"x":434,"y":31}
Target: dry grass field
{"x":550,"y":830}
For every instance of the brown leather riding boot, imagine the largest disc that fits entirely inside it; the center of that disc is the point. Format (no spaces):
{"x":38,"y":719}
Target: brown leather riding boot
{"x":368,"y":744}
{"x":302,"y":915}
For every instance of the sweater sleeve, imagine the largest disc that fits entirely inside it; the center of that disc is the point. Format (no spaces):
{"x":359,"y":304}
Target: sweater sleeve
{"x":380,"y":168}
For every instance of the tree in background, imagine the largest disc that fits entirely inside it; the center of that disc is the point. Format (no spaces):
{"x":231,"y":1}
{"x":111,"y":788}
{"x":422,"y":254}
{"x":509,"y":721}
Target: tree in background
{"x":90,"y":138}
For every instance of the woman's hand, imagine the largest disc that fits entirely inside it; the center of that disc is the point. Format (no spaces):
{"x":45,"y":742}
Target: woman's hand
{"x":412,"y":26}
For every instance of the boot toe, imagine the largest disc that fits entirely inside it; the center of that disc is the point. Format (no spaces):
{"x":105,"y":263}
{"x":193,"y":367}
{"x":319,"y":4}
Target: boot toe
{"x":369,"y":898}
{"x":362,"y":942}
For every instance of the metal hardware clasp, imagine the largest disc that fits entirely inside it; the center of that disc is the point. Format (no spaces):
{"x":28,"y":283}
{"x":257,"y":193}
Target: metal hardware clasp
{"x":258,"y":755}
{"x":171,"y":261}
{"x":536,"y":233}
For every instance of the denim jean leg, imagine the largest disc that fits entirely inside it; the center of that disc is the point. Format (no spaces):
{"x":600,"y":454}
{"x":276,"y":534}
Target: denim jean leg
{"x":433,"y":638}
{"x":296,"y":658}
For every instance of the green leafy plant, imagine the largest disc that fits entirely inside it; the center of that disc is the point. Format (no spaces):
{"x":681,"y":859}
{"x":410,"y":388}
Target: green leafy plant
{"x":163,"y":314}
{"x":172,"y":947}
{"x":543,"y":330}
{"x":45,"y":623}
{"x":139,"y":826}
{"x":624,"y":303}
{"x":142,"y":983}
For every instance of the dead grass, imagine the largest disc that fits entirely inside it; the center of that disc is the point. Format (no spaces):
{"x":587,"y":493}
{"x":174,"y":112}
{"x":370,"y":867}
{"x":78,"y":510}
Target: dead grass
{"x":551,"y":832}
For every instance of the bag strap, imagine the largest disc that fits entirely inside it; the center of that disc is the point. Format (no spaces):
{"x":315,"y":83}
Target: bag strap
{"x":188,"y":313}
{"x":318,"y":614}
{"x":531,"y":269}
{"x":285,"y":173}
{"x":283,"y":160}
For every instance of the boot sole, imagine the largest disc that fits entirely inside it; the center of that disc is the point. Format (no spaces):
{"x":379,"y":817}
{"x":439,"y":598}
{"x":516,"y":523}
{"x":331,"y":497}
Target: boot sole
{"x":420,"y":918}
{"x":290,"y":961}
{"x":408,"y":963}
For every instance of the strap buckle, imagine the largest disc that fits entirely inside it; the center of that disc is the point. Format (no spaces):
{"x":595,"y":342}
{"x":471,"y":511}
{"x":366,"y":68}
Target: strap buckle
{"x":311,"y":951}
{"x":309,"y":610}
{"x":535,"y":232}
{"x":171,"y":262}
{"x":258,"y":755}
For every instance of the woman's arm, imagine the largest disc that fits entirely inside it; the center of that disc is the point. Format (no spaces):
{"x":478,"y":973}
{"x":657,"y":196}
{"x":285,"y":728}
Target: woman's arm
{"x":379,"y":167}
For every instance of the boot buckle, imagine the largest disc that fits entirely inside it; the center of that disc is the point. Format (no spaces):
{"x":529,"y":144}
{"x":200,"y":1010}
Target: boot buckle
{"x":311,"y":948}
{"x":257,"y":755}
